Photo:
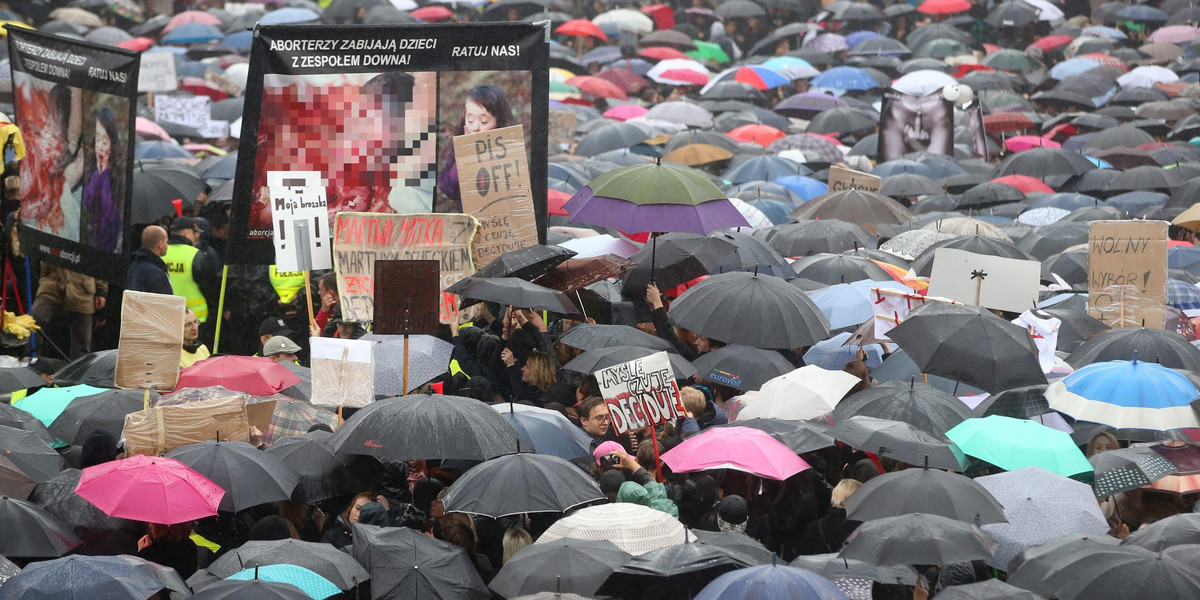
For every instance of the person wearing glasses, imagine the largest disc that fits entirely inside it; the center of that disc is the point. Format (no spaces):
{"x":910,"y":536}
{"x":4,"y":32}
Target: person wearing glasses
{"x":193,"y":351}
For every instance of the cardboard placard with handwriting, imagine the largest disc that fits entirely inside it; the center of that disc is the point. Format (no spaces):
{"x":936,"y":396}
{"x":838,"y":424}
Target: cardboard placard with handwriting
{"x":1127,"y":273}
{"x":842,"y":179}
{"x":151,"y":340}
{"x":493,"y":178}
{"x":562,"y":127}
{"x":157,"y":73}
{"x":411,"y":287}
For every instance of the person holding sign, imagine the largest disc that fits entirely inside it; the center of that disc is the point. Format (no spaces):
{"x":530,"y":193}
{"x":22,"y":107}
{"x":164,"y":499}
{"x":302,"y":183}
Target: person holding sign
{"x":485,"y":109}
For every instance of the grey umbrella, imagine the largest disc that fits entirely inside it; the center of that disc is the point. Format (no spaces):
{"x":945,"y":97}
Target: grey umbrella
{"x":511,"y":291}
{"x":1019,"y":403}
{"x":32,"y":455}
{"x":909,"y":184}
{"x":7,"y":569}
{"x":800,"y":436}
{"x":427,"y":358}
{"x":1029,"y":569}
{"x":832,"y":566}
{"x":248,"y":476}
{"x":917,"y":404}
{"x":323,"y":559}
{"x":255,"y":588}
{"x":749,"y":309}
{"x":860,"y":207}
{"x":752,"y":254}
{"x":101,"y":534}
{"x":594,"y":360}
{"x":594,"y":337}
{"x":899,"y":441}
{"x":110,"y":577}
{"x":1045,"y":162}
{"x":303,"y":390}
{"x":918,"y":539}
{"x":428,"y":426}
{"x":1153,"y":345}
{"x":811,"y":237}
{"x":1172,"y":531}
{"x":742,"y":368}
{"x":105,"y":410}
{"x":899,"y":367}
{"x":1122,"y":572}
{"x":30,"y":532}
{"x":833,"y":269}
{"x":565,"y":565}
{"x":929,"y":491}
{"x":666,"y":572}
{"x":323,"y":474}
{"x":969,"y":344}
{"x":1048,"y":240}
{"x":11,"y":416}
{"x":1125,"y":469}
{"x":406,"y":564}
{"x":991,"y":589}
{"x":521,"y":483}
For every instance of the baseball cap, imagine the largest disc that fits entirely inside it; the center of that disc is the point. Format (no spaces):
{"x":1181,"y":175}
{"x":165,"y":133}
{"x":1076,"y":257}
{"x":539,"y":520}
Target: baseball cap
{"x":605,"y":449}
{"x":279,"y":344}
{"x":273,"y":326}
{"x":181,"y":223}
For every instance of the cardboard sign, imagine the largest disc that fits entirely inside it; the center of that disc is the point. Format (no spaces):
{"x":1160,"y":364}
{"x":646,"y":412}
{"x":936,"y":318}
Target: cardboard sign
{"x":299,"y":196}
{"x":562,"y":127}
{"x":223,"y":83}
{"x":214,"y":129}
{"x":1127,"y":273}
{"x":841,"y":179}
{"x":151,"y":339}
{"x":987,"y":281}
{"x":493,"y":178}
{"x":343,"y":372}
{"x":193,"y":111}
{"x":157,"y":73}
{"x":360,"y":239}
{"x":414,"y":298}
{"x":640,"y":393}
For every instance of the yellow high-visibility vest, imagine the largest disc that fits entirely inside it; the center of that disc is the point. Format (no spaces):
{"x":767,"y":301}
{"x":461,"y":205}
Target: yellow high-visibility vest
{"x":287,"y":284}
{"x":179,"y":268}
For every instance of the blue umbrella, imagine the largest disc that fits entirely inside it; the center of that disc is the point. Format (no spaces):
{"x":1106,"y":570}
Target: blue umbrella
{"x":602,"y":55}
{"x":287,"y":16}
{"x":831,"y":354}
{"x":762,"y":168}
{"x":1126,"y":395}
{"x":317,"y":587}
{"x":806,"y":187}
{"x":771,"y":582}
{"x":550,"y":432}
{"x":1143,"y":13}
{"x":239,"y":40}
{"x":859,"y":37}
{"x":845,"y":78}
{"x":1184,"y":296}
{"x":849,"y":304}
{"x":774,"y":210}
{"x":1137,"y":202}
{"x":1075,"y":66}
{"x":1101,"y":31}
{"x":193,"y":33}
{"x":160,"y":150}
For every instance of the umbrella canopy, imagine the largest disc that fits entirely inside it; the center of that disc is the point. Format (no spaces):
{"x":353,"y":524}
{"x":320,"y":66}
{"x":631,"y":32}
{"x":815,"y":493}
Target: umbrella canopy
{"x":811,"y":237}
{"x":255,"y":588}
{"x":1175,"y":530}
{"x":1112,"y":572}
{"x":48,"y":403}
{"x":150,"y":489}
{"x":314,"y":585}
{"x":918,"y":539}
{"x":94,"y":369}
{"x":427,"y":426}
{"x":742,"y":368}
{"x":896,"y":440}
{"x":800,"y":436}
{"x":1013,"y":444}
{"x":565,"y":565}
{"x":548,"y":429}
{"x":593,"y":360}
{"x":101,"y":534}
{"x":805,"y":393}
{"x":738,"y":448}
{"x":405,"y":563}
{"x":254,"y":375}
{"x":31,"y":532}
{"x":654,"y":197}
{"x":248,"y":476}
{"x":1166,"y":348}
{"x":511,"y":291}
{"x":105,"y":410}
{"x":770,"y":581}
{"x":29,"y":453}
{"x":323,"y":474}
{"x":1029,"y":569}
{"x":990,"y":589}
{"x":1126,"y":395}
{"x":338,"y":568}
{"x":526,"y":263}
{"x":87,"y":577}
{"x":676,"y":258}
{"x":928,"y":491}
{"x":835,"y":269}
{"x":19,"y":378}
{"x":685,"y":568}
{"x":643,"y":528}
{"x":521,"y":483}
{"x":427,"y":358}
{"x":1125,"y":469}
{"x":1019,"y":403}
{"x":918,"y":404}
{"x":595,"y":337}
{"x":783,"y":316}
{"x":854,"y":206}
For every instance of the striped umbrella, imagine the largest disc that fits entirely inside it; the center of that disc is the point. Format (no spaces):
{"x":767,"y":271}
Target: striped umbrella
{"x":1002,"y":122}
{"x":1126,"y":395}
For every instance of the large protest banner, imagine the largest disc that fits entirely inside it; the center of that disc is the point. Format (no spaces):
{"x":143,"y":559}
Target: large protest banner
{"x":374,"y":109}
{"x":909,"y":123}
{"x":495,"y":189}
{"x":360,"y":239}
{"x":641,"y":392}
{"x":77,"y":101}
{"x":1127,"y":273}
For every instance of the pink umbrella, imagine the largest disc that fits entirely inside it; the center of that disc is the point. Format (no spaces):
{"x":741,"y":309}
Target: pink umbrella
{"x":254,"y":375}
{"x":151,"y":489}
{"x":147,"y":128}
{"x":739,"y":448}
{"x":624,"y":112}
{"x":1175,"y":34}
{"x":192,"y":16}
{"x":682,"y":77}
{"x":1020,"y":143}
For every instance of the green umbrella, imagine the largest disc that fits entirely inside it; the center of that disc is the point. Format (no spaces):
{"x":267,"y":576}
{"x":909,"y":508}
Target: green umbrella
{"x":1013,"y":444}
{"x":558,"y":87}
{"x":47,"y":403}
{"x":708,"y":51}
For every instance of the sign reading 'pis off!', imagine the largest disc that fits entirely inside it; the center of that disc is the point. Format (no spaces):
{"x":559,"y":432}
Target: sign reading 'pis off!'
{"x":640,"y":393}
{"x":493,"y":179}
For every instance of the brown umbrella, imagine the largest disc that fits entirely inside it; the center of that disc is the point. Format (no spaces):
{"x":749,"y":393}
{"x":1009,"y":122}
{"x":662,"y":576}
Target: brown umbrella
{"x":694,"y":155}
{"x":854,"y":206}
{"x":578,"y":273}
{"x":1168,"y":110}
{"x":667,"y":37}
{"x":623,"y":78}
{"x":1162,"y":52}
{"x":1126,"y":158}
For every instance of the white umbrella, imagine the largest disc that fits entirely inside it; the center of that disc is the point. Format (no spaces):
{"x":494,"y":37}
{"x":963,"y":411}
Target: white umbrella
{"x":1147,"y":76}
{"x":919,"y":83}
{"x":672,"y":64}
{"x":1047,"y":11}
{"x":1042,"y":216}
{"x":806,"y":393}
{"x":627,"y":18}
{"x":682,"y":113}
{"x":754,"y":217}
{"x":634,"y":528}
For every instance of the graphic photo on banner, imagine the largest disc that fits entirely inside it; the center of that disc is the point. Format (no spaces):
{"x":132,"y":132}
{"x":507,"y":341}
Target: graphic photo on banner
{"x":76,"y":100}
{"x":640,"y":393}
{"x":909,"y":123}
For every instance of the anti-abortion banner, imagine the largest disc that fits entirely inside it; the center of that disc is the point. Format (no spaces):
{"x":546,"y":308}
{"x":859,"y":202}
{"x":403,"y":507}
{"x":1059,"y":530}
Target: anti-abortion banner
{"x":375,"y":109}
{"x":910,"y":123}
{"x":360,"y":239}
{"x":1127,"y":273}
{"x":76,"y":101}
{"x":640,"y":393}
{"x":494,"y":183}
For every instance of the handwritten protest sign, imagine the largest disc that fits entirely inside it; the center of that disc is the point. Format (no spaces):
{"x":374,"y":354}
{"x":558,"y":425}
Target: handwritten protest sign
{"x":841,"y":179}
{"x":360,"y":239}
{"x":493,"y":177}
{"x":157,"y":73}
{"x":1127,"y":273}
{"x":343,"y":372}
{"x":640,"y":393}
{"x":151,"y":335}
{"x":193,"y":112}
{"x":562,"y":127}
{"x":411,"y":287}
{"x":988,"y":281}
{"x":299,"y":196}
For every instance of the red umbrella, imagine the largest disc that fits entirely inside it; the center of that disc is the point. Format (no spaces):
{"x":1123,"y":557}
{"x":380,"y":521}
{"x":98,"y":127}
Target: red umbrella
{"x":663,"y":15}
{"x":1006,"y":121}
{"x":1051,"y":42}
{"x":152,"y":489}
{"x":944,"y":7}
{"x":254,"y":375}
{"x":597,"y":87}
{"x":623,"y":78}
{"x":432,"y":14}
{"x":662,"y":53}
{"x":555,"y":201}
{"x":137,"y":44}
{"x":762,"y":135}
{"x":581,"y":28}
{"x":201,"y":87}
{"x":1025,"y":183}
{"x":688,"y":75}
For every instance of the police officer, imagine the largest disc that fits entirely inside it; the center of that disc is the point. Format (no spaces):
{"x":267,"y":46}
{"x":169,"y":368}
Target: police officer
{"x":190,"y":270}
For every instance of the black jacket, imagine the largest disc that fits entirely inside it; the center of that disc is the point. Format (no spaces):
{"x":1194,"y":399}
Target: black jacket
{"x":148,"y":273}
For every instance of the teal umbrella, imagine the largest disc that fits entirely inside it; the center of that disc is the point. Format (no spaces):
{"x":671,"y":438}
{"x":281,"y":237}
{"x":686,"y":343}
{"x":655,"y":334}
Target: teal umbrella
{"x":313,"y":584}
{"x":1013,"y":444}
{"x":47,"y":404}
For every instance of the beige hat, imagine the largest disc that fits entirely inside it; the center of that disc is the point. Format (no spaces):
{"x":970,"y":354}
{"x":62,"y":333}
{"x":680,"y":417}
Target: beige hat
{"x":278,"y":345}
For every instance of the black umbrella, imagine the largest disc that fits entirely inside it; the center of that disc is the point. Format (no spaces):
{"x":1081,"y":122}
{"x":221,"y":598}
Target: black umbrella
{"x":976,"y":244}
{"x":610,"y":137}
{"x":899,"y":367}
{"x":157,"y":183}
{"x":832,"y":566}
{"x":14,"y":482}
{"x":1183,"y":528}
{"x":899,"y":441}
{"x":989,"y":193}
{"x":323,"y":559}
{"x":842,"y":119}
{"x":1048,"y":240}
{"x":1144,"y":178}
{"x":521,"y":483}
{"x":94,"y":369}
{"x":428,"y":426}
{"x":969,"y":344}
{"x":1123,"y":571}
{"x":1029,"y":569}
{"x":799,"y":436}
{"x":105,"y":410}
{"x":743,"y":308}
{"x":565,"y":565}
{"x":1125,"y":136}
{"x":407,"y":564}
{"x":1125,"y":469}
{"x":19,"y":378}
{"x":928,"y":491}
{"x":323,"y":474}
{"x":101,"y":534}
{"x":31,"y":532}
{"x":918,"y":539}
{"x":1045,"y":162}
{"x":675,"y":258}
{"x":598,"y":337}
{"x":811,"y":237}
{"x":678,"y":571}
{"x":1151,"y":345}
{"x":11,"y":416}
{"x":29,"y":453}
{"x":1071,"y":267}
{"x":593,"y":360}
{"x":513,"y":292}
{"x":109,"y":577}
{"x":527,"y":263}
{"x":909,"y":184}
{"x":752,"y":254}
{"x":254,"y":588}
{"x":1024,"y":402}
{"x":990,"y":589}
{"x":917,"y":404}
{"x":832,"y":269}
{"x":743,"y":368}
{"x":743,"y":547}
{"x":248,"y":476}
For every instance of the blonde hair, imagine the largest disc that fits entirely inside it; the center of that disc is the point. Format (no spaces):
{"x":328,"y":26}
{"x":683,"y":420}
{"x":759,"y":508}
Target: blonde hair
{"x":693,"y":400}
{"x":514,"y":540}
{"x":541,"y":370}
{"x":843,"y":490}
{"x":1091,"y":446}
